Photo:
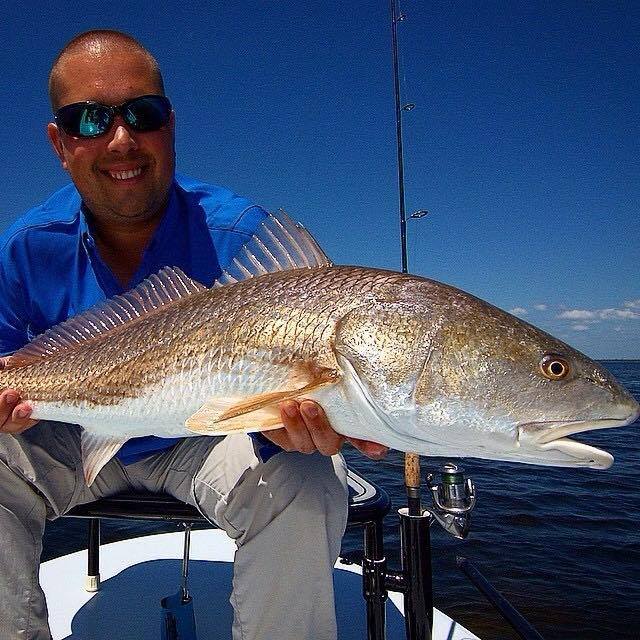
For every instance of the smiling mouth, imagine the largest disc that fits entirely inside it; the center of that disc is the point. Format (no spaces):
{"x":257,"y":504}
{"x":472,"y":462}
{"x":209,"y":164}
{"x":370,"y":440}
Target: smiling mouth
{"x":125,"y":175}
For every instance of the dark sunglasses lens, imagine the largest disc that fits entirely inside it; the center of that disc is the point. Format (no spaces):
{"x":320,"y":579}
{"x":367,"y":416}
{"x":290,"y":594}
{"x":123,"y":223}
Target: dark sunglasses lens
{"x":148,"y":113}
{"x":84,"y":120}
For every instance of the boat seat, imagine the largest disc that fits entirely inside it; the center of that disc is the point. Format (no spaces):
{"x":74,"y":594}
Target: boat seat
{"x":368,"y":504}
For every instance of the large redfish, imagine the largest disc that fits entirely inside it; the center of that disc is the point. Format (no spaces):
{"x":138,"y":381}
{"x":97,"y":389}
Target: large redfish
{"x":401,"y":360}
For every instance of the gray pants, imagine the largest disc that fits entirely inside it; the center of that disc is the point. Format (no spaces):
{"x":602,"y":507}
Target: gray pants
{"x":287,"y":517}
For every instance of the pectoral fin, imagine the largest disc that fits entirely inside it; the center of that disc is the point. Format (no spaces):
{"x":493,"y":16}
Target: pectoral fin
{"x":208,"y":420}
{"x":96,"y":452}
{"x":223,"y":415}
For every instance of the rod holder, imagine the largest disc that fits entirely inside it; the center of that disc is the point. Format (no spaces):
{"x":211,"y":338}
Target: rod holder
{"x":374,"y":571}
{"x":415,"y":543}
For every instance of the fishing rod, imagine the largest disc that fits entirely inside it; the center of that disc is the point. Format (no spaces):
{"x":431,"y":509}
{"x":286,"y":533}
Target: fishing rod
{"x":464,"y":495}
{"x":411,"y":460}
{"x":454,"y":498}
{"x":415,"y":541}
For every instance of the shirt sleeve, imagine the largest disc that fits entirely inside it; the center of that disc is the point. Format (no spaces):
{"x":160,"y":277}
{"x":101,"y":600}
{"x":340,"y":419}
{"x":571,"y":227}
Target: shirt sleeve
{"x":14,"y":321}
{"x":264,"y":447}
{"x":236,"y":231}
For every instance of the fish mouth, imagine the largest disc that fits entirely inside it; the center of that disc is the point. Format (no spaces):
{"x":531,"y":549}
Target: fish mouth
{"x":550,"y":439}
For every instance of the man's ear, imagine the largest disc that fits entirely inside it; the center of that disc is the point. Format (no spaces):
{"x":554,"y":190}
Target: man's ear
{"x":54,"y":138}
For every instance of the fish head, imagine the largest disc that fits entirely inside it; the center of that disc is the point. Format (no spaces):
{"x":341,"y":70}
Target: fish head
{"x":493,"y":386}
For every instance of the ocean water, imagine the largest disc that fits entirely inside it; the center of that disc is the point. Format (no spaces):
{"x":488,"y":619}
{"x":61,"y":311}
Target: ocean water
{"x":562,"y":545}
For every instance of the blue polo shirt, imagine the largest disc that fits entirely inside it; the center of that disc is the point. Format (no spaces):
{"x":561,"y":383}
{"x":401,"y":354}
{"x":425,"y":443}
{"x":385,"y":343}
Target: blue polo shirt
{"x":50,"y":268}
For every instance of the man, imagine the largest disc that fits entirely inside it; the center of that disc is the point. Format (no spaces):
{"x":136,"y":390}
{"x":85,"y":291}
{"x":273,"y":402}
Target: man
{"x":126,"y":216}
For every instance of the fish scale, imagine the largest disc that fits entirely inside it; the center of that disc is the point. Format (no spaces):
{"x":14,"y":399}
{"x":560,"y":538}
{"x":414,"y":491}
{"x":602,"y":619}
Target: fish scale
{"x":232,"y":321}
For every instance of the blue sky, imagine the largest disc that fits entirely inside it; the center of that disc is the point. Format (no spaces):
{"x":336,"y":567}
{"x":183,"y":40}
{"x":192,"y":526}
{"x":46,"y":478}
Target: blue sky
{"x":523,"y":145}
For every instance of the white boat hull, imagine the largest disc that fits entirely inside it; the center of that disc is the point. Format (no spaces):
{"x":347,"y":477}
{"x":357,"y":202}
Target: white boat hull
{"x":137,"y":573}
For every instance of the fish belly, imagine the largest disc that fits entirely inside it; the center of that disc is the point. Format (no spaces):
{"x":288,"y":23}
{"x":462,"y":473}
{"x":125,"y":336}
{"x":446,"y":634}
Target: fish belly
{"x":132,"y":417}
{"x":162,"y":409}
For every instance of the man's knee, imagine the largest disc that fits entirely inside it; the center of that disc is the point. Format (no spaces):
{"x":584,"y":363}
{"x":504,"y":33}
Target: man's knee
{"x":18,"y":499}
{"x":313,"y":477}
{"x":40,"y":461}
{"x":323,"y":475}
{"x":306,"y":490}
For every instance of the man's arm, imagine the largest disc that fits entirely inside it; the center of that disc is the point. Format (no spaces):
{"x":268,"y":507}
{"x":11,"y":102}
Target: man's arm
{"x":14,"y":414}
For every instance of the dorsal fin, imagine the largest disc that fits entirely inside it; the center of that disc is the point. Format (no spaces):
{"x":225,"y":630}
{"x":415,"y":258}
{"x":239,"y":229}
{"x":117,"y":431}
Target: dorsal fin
{"x":279,"y":244}
{"x":167,"y":286}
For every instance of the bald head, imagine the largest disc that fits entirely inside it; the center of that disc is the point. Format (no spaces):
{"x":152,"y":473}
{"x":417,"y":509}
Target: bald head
{"x":97,"y":44}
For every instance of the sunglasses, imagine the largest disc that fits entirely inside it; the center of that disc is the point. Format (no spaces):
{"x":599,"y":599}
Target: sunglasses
{"x":91,"y":119}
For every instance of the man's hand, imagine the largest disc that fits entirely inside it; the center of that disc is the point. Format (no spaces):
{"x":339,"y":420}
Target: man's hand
{"x":14,"y":415}
{"x":307,"y":429}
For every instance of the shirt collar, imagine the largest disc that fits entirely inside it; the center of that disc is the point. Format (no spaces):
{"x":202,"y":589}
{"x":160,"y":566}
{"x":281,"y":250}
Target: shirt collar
{"x":170,"y":212}
{"x":162,"y":235}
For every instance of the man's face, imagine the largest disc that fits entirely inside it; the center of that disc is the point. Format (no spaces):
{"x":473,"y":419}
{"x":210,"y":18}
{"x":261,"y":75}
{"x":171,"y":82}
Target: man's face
{"x":96,"y":165}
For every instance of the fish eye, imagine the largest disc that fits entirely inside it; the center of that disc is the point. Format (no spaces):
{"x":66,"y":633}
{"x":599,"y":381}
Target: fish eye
{"x":554,"y":367}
